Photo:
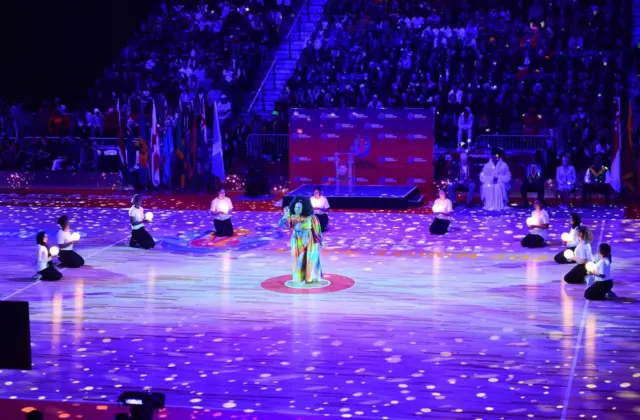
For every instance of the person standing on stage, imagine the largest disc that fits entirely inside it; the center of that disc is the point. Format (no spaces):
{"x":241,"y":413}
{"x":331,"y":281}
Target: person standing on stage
{"x":306,"y":240}
{"x":221,"y":207}
{"x":538,"y":227}
{"x":320,"y":208}
{"x":495,"y":178}
{"x":582,"y":255}
{"x":68,"y":257}
{"x":461,"y":179}
{"x":140,"y":238}
{"x":442,"y":208}
{"x":44,"y":266}
{"x":576,"y":222}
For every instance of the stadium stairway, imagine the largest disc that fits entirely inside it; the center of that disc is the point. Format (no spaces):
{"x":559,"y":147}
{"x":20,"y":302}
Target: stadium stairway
{"x":287,"y":56}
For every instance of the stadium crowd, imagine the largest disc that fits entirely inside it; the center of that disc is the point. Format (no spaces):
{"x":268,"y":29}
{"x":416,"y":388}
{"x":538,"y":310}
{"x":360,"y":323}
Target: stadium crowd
{"x":521,"y":67}
{"x":487,"y":66}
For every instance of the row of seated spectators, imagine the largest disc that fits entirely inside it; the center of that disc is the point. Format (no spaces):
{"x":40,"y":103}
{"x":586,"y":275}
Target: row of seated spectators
{"x":36,"y":140}
{"x":518,"y":66}
{"x":211,"y":47}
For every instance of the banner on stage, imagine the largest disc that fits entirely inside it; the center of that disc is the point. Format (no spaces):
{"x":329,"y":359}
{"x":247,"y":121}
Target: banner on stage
{"x":390,"y":147}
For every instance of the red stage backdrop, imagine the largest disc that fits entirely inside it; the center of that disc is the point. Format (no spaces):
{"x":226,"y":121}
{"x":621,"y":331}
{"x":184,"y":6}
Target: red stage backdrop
{"x":391,"y":147}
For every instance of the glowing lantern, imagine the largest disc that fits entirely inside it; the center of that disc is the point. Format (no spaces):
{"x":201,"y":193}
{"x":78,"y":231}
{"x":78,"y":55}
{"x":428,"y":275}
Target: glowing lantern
{"x":591,"y":267}
{"x":530,"y":221}
{"x":223,"y":208}
{"x":568,"y":254}
{"x":54,"y":251}
{"x":75,"y":236}
{"x":148,"y":216}
{"x":566,"y":237}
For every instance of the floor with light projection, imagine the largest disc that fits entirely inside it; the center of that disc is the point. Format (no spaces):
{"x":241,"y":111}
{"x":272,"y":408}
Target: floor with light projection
{"x":408,"y":325}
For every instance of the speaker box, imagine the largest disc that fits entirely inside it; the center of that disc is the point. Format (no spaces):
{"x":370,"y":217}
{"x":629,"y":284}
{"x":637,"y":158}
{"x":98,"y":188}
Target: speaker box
{"x":15,"y":336}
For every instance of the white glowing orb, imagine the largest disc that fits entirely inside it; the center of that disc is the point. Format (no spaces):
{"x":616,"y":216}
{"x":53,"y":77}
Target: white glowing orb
{"x":54,"y":251}
{"x":566,"y":237}
{"x":530,"y":221}
{"x":223,"y":208}
{"x":75,"y":236}
{"x":568,"y":254}
{"x":438,"y":208}
{"x":591,"y":267}
{"x":148,"y":216}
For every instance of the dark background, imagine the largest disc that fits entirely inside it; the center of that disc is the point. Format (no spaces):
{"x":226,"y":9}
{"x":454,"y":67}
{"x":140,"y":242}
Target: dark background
{"x":59,"y":48}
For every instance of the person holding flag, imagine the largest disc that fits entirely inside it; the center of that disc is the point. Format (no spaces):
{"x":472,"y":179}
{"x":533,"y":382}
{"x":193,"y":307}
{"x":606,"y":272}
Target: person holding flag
{"x":155,"y":147}
{"x":168,"y":158}
{"x":217,"y":160}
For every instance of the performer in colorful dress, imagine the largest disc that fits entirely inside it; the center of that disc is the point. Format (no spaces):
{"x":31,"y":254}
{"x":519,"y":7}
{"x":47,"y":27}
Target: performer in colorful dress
{"x":496,"y":179}
{"x":306,"y":240}
{"x":320,"y":208}
{"x":221,"y":207}
{"x":571,"y":241}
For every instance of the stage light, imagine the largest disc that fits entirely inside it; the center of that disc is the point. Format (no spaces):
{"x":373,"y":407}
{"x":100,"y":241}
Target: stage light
{"x":568,"y":254}
{"x":148,"y":216}
{"x":566,"y":237}
{"x":75,"y":236}
{"x":54,"y":251}
{"x":591,"y":267}
{"x":143,"y":405}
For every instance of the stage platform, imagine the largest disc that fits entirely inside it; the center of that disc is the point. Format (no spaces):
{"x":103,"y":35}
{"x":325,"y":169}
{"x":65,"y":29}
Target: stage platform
{"x":385,"y":197}
{"x":468,"y":325}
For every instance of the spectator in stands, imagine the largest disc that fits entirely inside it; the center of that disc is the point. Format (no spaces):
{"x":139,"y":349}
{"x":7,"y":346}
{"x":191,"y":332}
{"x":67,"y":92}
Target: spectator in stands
{"x":224,"y":109}
{"x":533,"y":181}
{"x":496,"y":179}
{"x":461,"y":180}
{"x":465,"y":127}
{"x":565,"y":179}
{"x":596,"y":180}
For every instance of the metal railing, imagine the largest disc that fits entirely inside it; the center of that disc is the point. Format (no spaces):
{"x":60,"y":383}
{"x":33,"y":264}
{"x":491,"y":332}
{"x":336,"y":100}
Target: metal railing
{"x":515,"y":142}
{"x":267,"y":144}
{"x":272,"y":72}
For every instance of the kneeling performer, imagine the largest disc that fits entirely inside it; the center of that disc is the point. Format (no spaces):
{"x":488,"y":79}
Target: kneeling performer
{"x":68,"y":257}
{"x":320,"y":208}
{"x":221,"y":207}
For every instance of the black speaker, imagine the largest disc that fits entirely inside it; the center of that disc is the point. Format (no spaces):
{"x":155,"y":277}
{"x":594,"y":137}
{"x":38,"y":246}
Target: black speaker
{"x":15,"y":336}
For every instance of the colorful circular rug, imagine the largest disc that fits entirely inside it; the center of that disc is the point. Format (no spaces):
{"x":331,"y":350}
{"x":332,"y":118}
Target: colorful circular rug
{"x":329,"y":284}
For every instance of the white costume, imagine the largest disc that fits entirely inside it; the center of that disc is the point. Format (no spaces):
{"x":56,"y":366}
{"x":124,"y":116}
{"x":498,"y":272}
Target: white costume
{"x":495,"y":195}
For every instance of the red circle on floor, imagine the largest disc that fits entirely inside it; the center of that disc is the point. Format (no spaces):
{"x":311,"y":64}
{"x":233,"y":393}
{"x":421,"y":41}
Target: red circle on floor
{"x":338,"y":283}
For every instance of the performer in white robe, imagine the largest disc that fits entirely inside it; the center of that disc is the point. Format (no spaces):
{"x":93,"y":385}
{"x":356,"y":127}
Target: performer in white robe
{"x":495,"y":178}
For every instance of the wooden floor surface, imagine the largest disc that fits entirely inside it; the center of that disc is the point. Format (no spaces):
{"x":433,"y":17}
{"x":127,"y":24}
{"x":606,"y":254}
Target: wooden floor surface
{"x":464,"y":326}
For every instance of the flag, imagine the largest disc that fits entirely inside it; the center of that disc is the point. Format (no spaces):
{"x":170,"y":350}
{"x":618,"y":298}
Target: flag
{"x":181,"y":147}
{"x":217,"y":161}
{"x":167,"y":150}
{"x":614,"y":179}
{"x":155,"y":148}
{"x":121,"y":151}
{"x":628,"y":163}
{"x":193,"y":149}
